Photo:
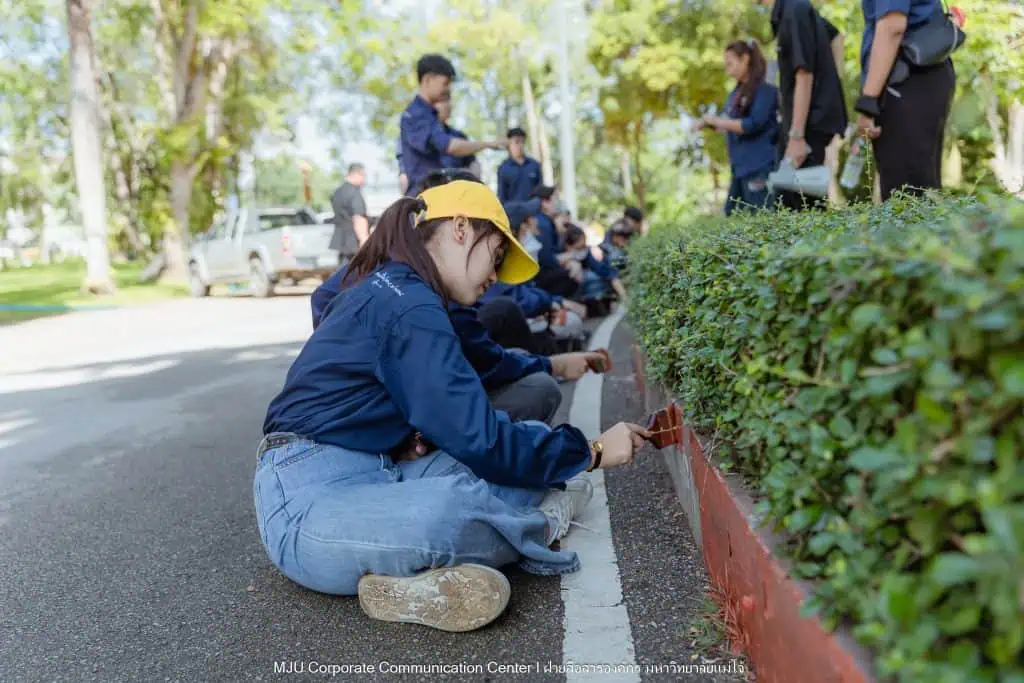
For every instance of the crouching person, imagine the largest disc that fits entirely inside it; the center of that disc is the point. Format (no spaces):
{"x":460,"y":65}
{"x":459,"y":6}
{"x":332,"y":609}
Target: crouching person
{"x":525,"y":313}
{"x":384,"y":471}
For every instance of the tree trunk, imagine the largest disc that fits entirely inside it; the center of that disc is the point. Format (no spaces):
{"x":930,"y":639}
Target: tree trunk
{"x":85,"y":141}
{"x":546,"y":165}
{"x":176,"y":235}
{"x":953,"y":166}
{"x":1008,"y":152}
{"x":531,"y":115}
{"x":639,"y":187}
{"x":835,"y":194}
{"x":627,"y":175}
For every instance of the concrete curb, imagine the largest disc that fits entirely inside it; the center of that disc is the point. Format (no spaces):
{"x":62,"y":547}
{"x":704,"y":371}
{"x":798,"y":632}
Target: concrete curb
{"x":783,"y":647}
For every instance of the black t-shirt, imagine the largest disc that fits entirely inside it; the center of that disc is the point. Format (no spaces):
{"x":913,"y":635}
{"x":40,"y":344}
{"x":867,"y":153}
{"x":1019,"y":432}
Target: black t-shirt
{"x":803,"y":38}
{"x":347,"y":201}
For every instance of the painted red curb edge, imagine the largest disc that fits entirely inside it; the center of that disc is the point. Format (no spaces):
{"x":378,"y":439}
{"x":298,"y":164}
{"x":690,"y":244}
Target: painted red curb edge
{"x":783,"y":647}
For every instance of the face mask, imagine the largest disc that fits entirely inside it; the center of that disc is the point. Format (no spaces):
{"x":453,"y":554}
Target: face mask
{"x":580,"y":255}
{"x":532,"y":245}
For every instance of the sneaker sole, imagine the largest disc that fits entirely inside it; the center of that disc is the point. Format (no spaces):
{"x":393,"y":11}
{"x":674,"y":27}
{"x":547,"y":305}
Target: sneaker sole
{"x":456,"y":599}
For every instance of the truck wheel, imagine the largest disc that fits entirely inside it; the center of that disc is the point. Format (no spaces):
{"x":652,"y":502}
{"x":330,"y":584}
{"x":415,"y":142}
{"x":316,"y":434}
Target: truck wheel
{"x":197,"y":287}
{"x":260,"y":283}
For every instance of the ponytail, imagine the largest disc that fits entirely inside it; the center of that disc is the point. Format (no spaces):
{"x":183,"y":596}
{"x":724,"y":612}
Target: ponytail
{"x":757,"y":69}
{"x":398,"y":237}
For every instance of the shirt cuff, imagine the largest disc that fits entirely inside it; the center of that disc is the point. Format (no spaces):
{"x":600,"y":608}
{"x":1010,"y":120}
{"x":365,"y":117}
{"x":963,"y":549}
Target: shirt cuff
{"x":546,"y":362}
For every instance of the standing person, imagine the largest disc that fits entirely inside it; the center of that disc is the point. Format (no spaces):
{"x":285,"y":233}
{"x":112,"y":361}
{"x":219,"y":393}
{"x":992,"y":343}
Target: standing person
{"x":424,"y":140}
{"x":351,"y":225}
{"x":470,"y":163}
{"x":751,"y":126}
{"x":905,"y":121}
{"x":519,"y":175}
{"x":813,"y":107}
{"x":384,"y":471}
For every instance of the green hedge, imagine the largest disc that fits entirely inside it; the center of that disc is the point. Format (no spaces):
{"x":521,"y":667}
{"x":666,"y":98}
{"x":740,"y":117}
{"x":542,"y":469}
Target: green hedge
{"x":864,"y":369}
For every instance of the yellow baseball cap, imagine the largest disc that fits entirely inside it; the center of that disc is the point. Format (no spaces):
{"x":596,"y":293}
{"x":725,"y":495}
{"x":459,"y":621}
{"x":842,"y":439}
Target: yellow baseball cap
{"x":475,"y":200}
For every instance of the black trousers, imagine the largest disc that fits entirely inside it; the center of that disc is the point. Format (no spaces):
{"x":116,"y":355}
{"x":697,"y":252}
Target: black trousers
{"x":507,"y":326}
{"x":818,"y":142}
{"x":909,"y":150}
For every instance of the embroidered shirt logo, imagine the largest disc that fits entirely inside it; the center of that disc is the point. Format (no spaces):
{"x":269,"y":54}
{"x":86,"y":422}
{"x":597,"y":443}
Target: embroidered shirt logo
{"x":382,"y":280}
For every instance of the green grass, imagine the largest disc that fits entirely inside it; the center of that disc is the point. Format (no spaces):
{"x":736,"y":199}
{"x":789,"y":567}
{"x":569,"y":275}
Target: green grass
{"x":60,"y":285}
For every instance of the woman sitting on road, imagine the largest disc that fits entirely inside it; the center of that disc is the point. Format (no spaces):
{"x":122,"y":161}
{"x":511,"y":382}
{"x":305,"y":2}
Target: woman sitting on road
{"x":384,"y":471}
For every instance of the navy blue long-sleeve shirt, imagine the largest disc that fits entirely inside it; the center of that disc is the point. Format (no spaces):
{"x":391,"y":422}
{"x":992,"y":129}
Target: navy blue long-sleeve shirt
{"x":385,"y":362}
{"x":493,"y":363}
{"x":547,"y":235}
{"x":517,"y":181}
{"x":533,"y":300}
{"x":423,"y":140}
{"x":753,"y":150}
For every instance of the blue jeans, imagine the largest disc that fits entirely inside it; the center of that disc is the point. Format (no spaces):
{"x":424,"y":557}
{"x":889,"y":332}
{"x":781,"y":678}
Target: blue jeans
{"x":747,"y":194}
{"x":328,"y":515}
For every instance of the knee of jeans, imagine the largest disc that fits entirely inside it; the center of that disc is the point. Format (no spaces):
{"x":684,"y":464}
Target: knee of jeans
{"x":450,"y":519}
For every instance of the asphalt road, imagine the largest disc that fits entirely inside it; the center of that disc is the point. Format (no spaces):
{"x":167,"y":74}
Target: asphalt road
{"x":128,"y":544}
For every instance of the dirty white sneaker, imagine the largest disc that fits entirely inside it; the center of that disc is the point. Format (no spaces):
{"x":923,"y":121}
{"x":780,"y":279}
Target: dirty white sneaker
{"x":460,"y":598}
{"x":562,"y":507}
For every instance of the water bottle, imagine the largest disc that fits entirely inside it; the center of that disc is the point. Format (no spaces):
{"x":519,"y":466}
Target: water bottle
{"x":853,"y":167}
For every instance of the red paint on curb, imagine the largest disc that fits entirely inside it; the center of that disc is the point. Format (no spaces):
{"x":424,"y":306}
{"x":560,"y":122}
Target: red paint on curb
{"x":783,"y":647}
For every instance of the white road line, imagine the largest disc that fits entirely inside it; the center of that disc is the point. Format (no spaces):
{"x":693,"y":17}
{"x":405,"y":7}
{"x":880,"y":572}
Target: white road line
{"x":597,"y":629}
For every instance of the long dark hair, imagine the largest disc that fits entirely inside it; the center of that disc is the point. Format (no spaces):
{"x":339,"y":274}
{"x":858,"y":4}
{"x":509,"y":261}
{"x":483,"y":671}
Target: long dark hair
{"x":398,"y":237}
{"x":756,"y":70}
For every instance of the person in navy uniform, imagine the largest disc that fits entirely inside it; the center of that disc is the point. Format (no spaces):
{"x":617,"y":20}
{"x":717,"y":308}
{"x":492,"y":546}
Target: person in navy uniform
{"x":424,"y":142}
{"x":384,"y":471}
{"x":519,"y":175}
{"x":751,"y":126}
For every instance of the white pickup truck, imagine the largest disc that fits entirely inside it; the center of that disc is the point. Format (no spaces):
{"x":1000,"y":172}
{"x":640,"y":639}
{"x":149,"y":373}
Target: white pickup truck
{"x":261,"y":247}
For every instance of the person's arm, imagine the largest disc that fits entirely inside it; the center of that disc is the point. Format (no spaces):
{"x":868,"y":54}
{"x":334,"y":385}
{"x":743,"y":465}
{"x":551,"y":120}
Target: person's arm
{"x":495,"y":366}
{"x":760,"y":116}
{"x":797,"y":148}
{"x":547,"y":256}
{"x":361,"y":226}
{"x":457,"y":147}
{"x":504,"y":186}
{"x":888,"y":35}
{"x":533,"y":300}
{"x":800,"y":33}
{"x":602,"y":269}
{"x":360,"y":221}
{"x":449,"y":406}
{"x":324,"y":295}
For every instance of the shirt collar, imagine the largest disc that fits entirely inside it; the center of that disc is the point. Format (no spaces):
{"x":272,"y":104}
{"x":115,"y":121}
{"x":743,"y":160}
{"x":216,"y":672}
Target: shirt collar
{"x":423,"y":105}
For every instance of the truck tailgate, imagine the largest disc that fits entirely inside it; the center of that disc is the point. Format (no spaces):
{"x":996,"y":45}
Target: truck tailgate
{"x":307,"y":247}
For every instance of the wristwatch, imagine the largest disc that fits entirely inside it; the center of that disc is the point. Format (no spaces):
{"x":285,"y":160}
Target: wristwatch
{"x":598,"y":449}
{"x":796,"y":135}
{"x":869,"y":106}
